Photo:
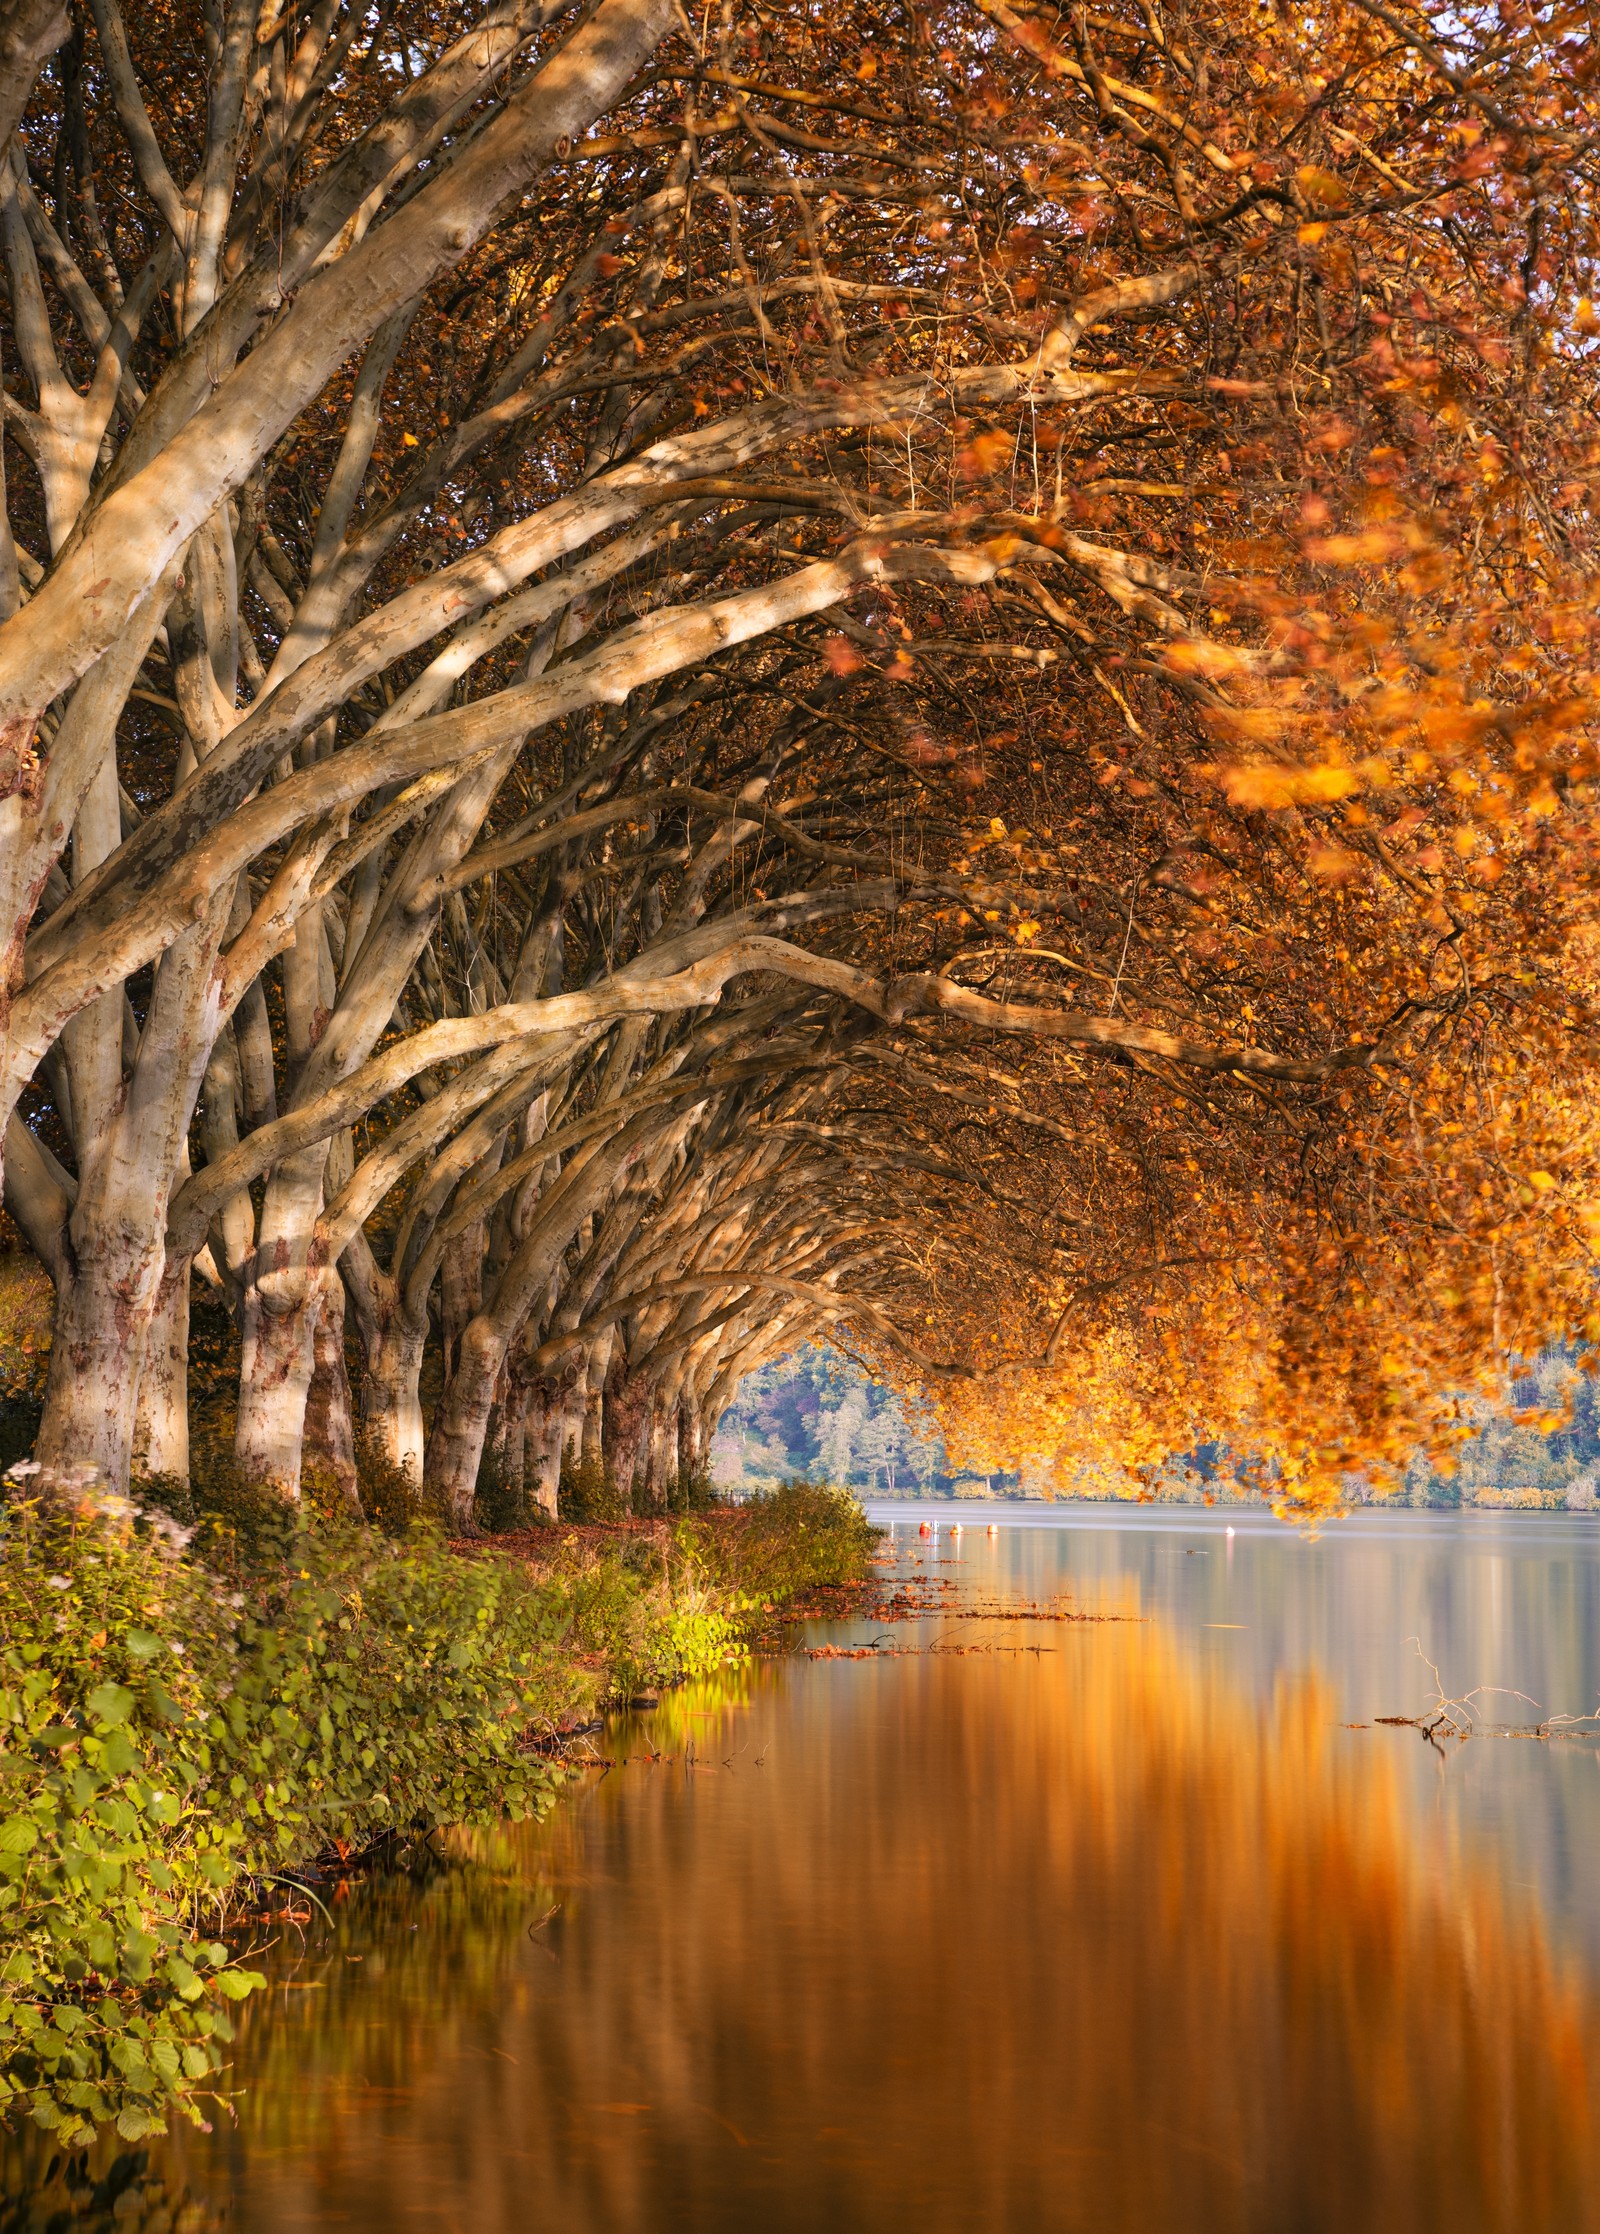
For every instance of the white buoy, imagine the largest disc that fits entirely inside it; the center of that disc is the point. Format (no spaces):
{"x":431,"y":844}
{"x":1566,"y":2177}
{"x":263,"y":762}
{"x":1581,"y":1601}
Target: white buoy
{"x":1230,"y":1531}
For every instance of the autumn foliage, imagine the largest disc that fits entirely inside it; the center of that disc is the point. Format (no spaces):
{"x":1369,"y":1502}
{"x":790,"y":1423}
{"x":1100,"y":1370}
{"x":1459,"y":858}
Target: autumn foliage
{"x":926,"y":672}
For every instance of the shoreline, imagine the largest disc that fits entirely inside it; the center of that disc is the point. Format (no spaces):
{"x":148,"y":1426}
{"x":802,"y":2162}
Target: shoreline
{"x":192,"y":1719}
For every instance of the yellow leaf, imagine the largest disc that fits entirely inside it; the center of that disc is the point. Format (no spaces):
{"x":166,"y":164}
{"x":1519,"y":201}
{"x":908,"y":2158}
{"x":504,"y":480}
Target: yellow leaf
{"x":1326,"y":189}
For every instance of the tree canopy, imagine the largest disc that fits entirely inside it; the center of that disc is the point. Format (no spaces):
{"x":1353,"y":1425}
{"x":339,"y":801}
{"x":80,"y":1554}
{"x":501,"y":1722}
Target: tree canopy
{"x":919,"y":674}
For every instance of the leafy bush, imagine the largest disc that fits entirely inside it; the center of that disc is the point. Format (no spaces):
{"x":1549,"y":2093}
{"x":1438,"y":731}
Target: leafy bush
{"x":26,"y":1301}
{"x":498,"y":1506}
{"x":788,"y":1540}
{"x":644,"y":1625}
{"x":694,"y":1492}
{"x":588,"y":1493}
{"x":169,"y":1740}
{"x":198,"y":1699}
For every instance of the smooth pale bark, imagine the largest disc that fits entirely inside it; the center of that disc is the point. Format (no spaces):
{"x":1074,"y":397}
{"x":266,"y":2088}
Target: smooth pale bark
{"x":117,"y":932}
{"x":338,"y":208}
{"x":277,"y":1356}
{"x":327,"y":1041}
{"x":544,"y":1470}
{"x":692,"y":460}
{"x":98,"y":596}
{"x":627,"y":1420}
{"x":283,"y":1301}
{"x":592,"y":1445}
{"x":391,"y":1405}
{"x":161,"y":1431}
{"x":38,"y":813}
{"x":455,"y":1447}
{"x":661,"y":1449}
{"x":115,"y":1253}
{"x":102,"y":1322}
{"x":460,"y":1291}
{"x":30,"y":32}
{"x":88,"y":598}
{"x":548,"y":1417}
{"x":329,"y":1440}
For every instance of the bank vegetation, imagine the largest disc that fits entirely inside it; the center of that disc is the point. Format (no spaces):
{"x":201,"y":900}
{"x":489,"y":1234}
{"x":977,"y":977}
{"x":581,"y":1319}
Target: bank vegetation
{"x":201,"y":1718}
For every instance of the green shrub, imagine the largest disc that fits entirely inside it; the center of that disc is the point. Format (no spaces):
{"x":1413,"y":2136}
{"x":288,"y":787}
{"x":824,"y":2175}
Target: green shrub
{"x":391,"y":1498}
{"x":588,"y":1493}
{"x":646,"y":1619}
{"x":498,"y":1506}
{"x":788,"y":1540}
{"x":199,"y":1695}
{"x":170,"y":1740}
{"x":694,"y":1492}
{"x":235,"y":1524}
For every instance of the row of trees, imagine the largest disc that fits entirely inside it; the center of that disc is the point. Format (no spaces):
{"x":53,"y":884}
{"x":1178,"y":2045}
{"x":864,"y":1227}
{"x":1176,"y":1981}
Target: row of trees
{"x":666,"y":684}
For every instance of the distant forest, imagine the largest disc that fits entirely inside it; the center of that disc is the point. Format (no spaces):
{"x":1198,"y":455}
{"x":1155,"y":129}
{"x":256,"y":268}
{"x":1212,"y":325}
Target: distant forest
{"x":817,"y":1415}
{"x":1529,"y":1462}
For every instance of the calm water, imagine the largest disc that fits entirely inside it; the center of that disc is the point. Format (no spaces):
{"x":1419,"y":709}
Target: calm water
{"x":1110,"y":1926}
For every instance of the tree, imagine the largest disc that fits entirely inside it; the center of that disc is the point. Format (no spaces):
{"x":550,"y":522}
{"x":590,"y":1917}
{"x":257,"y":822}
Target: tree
{"x":594,"y":617}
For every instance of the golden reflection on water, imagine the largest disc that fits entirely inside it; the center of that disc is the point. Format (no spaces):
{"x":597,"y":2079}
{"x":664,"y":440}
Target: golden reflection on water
{"x":1077,"y":1940}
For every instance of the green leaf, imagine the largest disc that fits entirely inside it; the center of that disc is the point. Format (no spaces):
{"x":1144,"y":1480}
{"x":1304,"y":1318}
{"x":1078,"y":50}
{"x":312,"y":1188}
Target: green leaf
{"x":161,"y":1702}
{"x":236,"y":1984}
{"x":19,"y":1836}
{"x":141,"y":1645}
{"x":110,"y":1703}
{"x":117,"y":1756}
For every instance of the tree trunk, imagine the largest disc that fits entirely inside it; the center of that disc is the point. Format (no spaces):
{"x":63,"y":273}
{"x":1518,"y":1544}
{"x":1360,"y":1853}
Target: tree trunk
{"x":691,"y":1455}
{"x":161,"y":1430}
{"x":283,"y":1300}
{"x":460,"y":1290}
{"x":591,"y":1444}
{"x":625,"y":1423}
{"x":455,"y":1448}
{"x":506,"y":1442}
{"x":102,"y":1320}
{"x":391,"y":1408}
{"x":112,"y":1266}
{"x":661,"y":1450}
{"x":549,"y":1415}
{"x":276,"y":1359}
{"x":329,"y":1443}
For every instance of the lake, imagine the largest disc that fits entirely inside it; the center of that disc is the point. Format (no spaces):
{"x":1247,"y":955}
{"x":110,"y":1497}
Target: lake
{"x":1137,"y":1922}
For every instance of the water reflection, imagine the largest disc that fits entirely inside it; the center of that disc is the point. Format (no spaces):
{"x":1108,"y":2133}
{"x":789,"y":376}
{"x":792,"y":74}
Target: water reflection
{"x":1494,"y":1599}
{"x":1106,"y":1936}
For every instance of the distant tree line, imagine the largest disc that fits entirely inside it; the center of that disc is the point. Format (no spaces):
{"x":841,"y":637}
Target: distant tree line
{"x":818,"y":1415}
